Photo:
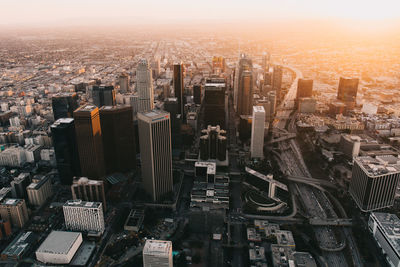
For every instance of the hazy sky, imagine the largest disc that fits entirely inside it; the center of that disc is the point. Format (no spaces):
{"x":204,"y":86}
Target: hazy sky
{"x":34,"y":12}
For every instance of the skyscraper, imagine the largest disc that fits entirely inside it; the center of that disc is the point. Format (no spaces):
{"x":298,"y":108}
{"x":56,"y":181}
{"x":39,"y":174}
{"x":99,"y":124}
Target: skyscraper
{"x":144,"y":86}
{"x":218,"y":65}
{"x":277,"y":80}
{"x":88,"y":190}
{"x":178,"y":86}
{"x":156,"y":152}
{"x":304,"y":88}
{"x":213,"y":143}
{"x":197,"y":94}
{"x":64,"y":105}
{"x":257,"y":132}
{"x":265,"y":62}
{"x":214,"y":102}
{"x":374,"y":181}
{"x":89,"y":141}
{"x":245,"y":98}
{"x":245,"y":64}
{"x":347,"y":90}
{"x":157,"y":253}
{"x":118,"y":138}
{"x":83,"y":216}
{"x":66,"y":149}
{"x":103,"y":95}
{"x":124,"y":83}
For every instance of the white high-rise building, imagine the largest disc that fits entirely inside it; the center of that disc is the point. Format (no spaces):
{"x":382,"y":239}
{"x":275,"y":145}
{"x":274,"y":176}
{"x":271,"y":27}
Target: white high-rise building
{"x":84,"y":216}
{"x":157,"y":253}
{"x":257,"y":132}
{"x":156,"y":152}
{"x":144,"y":86}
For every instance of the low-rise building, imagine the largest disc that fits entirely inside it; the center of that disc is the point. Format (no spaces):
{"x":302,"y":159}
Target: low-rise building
{"x":59,"y":247}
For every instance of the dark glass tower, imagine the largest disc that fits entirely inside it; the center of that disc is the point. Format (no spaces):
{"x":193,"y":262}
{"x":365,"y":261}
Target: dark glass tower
{"x":64,"y":105}
{"x":64,"y":141}
{"x":89,"y":141}
{"x":178,"y":86}
{"x":103,"y":95}
{"x":118,"y":138}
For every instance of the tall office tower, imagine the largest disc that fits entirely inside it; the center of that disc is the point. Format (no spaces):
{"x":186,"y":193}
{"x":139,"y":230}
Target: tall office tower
{"x":88,"y":190}
{"x":103,"y":95}
{"x":89,"y":141}
{"x":15,"y":211}
{"x":64,"y":105}
{"x":277,"y":80}
{"x":133,"y":101}
{"x":40,"y":190}
{"x":178,"y":86}
{"x":214,"y":101}
{"x":157,"y":253}
{"x":118,"y":138}
{"x":124,"y":83}
{"x":218,"y":65}
{"x":172,"y":107}
{"x":84,"y":216}
{"x":245,"y":64}
{"x":156,"y":67}
{"x":304,"y":88}
{"x":213,"y":143}
{"x":19,"y":185}
{"x":347,"y":91}
{"x":257,"y":132}
{"x":268,"y":79}
{"x":156,"y":152}
{"x":265,"y":61}
{"x":374,"y":181}
{"x":144,"y":86}
{"x":245,"y":98}
{"x":66,"y":149}
{"x":197,"y":94}
{"x":272,"y":98}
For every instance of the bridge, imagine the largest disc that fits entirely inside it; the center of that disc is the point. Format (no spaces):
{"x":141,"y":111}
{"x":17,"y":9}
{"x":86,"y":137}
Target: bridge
{"x":330,"y":222}
{"x":283,"y":138}
{"x":308,"y":180}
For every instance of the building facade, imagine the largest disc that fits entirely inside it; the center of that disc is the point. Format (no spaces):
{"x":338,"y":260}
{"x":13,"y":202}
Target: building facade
{"x":118,"y":138}
{"x":89,"y":141}
{"x":15,"y":211}
{"x":144,"y":86}
{"x":257,"y":132}
{"x":88,"y":190}
{"x":157,"y":253}
{"x":84,"y":216}
{"x":374,"y":182}
{"x":66,"y":149}
{"x":156,"y":152}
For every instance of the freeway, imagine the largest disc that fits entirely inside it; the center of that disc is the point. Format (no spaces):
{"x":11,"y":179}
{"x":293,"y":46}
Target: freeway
{"x":316,"y":203}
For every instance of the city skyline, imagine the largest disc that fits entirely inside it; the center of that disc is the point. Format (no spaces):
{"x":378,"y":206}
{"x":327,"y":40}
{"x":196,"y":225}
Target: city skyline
{"x":41,"y":12}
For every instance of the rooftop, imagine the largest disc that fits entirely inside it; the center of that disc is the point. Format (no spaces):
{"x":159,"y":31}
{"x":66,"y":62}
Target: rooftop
{"x":153,"y":115}
{"x":83,"y":204}
{"x":377,"y":166}
{"x":59,"y":242}
{"x":157,"y":248}
{"x":11,"y":201}
{"x":390,"y":225}
{"x":19,"y":245}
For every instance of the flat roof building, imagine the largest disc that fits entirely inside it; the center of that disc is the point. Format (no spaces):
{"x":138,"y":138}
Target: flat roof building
{"x":84,"y":216}
{"x":385,"y":228}
{"x":157,"y":253}
{"x":15,"y":211}
{"x":374,"y":181}
{"x":59,"y":247}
